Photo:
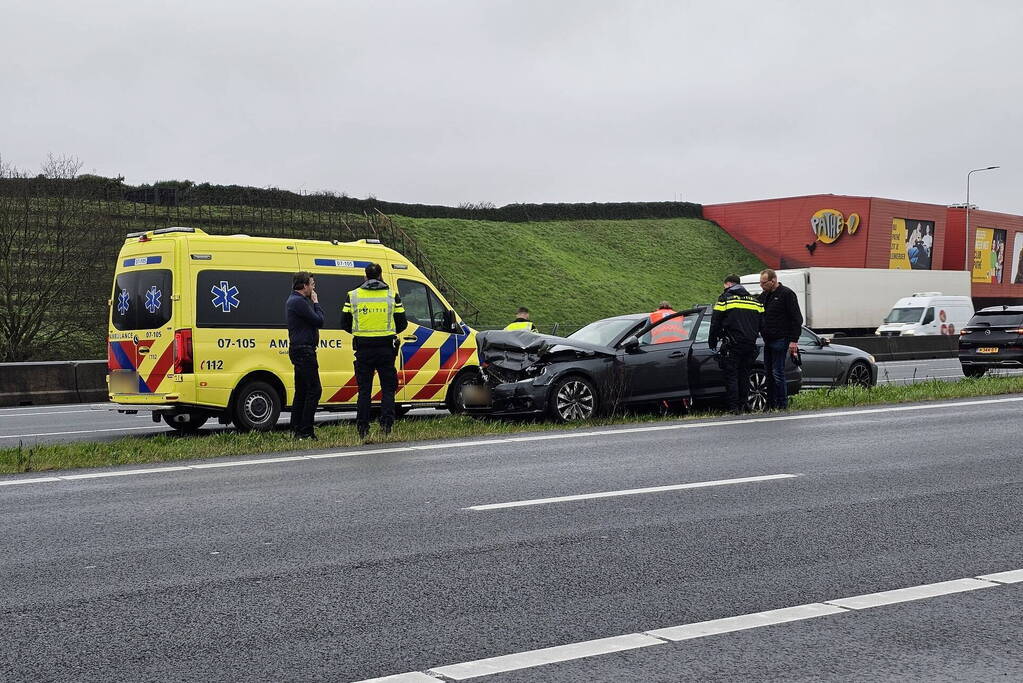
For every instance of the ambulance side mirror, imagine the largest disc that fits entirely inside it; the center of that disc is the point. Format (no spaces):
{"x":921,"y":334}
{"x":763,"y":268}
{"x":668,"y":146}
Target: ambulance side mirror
{"x":448,"y":321}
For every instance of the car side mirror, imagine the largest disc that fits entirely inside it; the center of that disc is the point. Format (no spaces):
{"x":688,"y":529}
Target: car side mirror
{"x":825,"y":341}
{"x":631,"y":344}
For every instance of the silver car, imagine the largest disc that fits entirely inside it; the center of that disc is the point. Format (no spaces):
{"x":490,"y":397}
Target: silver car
{"x":830,"y":365}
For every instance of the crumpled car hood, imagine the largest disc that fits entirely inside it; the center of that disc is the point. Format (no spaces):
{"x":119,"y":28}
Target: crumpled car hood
{"x":519,"y":349}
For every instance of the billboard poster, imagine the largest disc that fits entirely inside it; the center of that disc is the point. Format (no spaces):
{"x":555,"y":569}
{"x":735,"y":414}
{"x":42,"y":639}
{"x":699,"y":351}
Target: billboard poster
{"x":912,"y":244}
{"x":1017,"y":259}
{"x":989,"y":255}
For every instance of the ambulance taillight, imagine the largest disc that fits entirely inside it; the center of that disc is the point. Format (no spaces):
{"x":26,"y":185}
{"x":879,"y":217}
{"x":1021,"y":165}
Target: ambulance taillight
{"x":183,"y":352}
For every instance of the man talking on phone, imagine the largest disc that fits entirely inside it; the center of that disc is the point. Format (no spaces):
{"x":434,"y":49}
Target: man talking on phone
{"x":305,"y":318}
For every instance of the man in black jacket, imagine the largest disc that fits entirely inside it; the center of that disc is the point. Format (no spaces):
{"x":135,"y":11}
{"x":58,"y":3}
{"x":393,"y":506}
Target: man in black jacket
{"x":735,"y":322}
{"x":305,"y":318}
{"x":782,"y":326}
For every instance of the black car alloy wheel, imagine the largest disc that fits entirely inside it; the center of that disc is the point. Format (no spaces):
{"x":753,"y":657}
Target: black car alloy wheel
{"x":859,"y":375}
{"x":574,"y":398}
{"x":757,"y":399}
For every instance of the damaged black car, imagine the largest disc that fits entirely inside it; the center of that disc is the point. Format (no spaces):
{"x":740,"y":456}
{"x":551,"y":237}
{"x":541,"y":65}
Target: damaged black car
{"x":610,"y":364}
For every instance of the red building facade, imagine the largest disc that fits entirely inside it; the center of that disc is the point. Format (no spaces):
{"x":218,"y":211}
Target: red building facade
{"x":840,"y":231}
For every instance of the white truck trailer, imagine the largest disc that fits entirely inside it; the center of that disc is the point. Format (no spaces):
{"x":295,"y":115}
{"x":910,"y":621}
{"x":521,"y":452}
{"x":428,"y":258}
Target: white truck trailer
{"x":855,"y":301}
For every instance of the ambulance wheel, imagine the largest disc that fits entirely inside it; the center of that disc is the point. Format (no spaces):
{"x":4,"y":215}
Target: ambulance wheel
{"x":186,"y":423}
{"x":455,"y":400}
{"x":257,"y":405}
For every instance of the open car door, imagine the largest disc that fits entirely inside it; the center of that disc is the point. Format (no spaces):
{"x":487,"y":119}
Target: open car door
{"x":657,"y":358}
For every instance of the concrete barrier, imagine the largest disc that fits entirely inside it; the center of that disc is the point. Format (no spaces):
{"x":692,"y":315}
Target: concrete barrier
{"x":47,"y":382}
{"x":905,"y":348}
{"x":91,"y":380}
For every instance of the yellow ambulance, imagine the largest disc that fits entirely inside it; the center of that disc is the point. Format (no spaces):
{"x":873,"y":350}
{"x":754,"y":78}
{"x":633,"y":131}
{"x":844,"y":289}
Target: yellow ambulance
{"x":197,"y":328}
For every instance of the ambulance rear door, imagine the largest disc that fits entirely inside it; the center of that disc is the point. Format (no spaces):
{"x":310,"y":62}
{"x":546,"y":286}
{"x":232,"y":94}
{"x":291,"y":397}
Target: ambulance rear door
{"x":140,"y":343}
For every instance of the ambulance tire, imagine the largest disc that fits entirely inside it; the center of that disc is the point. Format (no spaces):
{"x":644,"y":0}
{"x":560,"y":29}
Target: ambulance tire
{"x":186,"y":423}
{"x":256,"y":407}
{"x":456,"y":406}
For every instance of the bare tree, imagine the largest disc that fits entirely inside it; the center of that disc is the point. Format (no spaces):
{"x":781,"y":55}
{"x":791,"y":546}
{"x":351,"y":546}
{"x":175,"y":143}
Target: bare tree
{"x":56,"y":255}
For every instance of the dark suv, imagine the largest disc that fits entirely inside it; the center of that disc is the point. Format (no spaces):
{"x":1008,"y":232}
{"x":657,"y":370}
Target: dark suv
{"x":992,"y":339}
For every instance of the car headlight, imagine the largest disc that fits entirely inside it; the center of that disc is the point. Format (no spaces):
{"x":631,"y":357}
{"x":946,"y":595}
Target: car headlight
{"x":908,"y":333}
{"x":872,"y":360}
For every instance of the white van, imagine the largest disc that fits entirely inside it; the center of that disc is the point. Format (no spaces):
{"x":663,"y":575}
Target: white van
{"x":927,"y":313}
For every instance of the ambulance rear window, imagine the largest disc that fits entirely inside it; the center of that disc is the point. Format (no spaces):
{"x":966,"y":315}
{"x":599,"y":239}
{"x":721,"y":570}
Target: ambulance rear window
{"x":141,"y":300}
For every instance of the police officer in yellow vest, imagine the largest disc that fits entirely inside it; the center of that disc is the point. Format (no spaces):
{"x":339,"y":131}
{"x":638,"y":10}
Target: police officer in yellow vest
{"x":522,"y":321}
{"x":375,"y":317}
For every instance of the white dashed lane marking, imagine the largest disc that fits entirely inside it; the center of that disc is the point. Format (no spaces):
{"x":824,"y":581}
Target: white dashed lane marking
{"x":630,"y":492}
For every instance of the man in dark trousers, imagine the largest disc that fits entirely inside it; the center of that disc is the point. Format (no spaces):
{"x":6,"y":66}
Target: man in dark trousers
{"x":375,"y":317}
{"x":783,"y":323}
{"x":735,"y":323}
{"x":305,"y":318}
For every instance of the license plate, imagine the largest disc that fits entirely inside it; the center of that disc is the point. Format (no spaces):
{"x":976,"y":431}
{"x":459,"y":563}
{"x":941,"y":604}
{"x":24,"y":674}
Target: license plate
{"x":988,"y":349}
{"x":476,"y":396}
{"x":124,"y":382}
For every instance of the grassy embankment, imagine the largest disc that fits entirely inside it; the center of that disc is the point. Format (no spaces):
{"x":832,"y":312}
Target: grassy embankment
{"x":574,"y":272}
{"x":169,"y":447}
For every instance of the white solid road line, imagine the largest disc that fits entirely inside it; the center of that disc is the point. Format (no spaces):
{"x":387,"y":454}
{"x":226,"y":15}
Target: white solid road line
{"x":630,"y":492}
{"x":87,"y":431}
{"x":548,"y":655}
{"x":745,"y":621}
{"x":55,"y":412}
{"x":712,"y":424}
{"x":410,"y":677}
{"x":906,"y":594}
{"x":702,"y":629}
{"x":1014,"y":576}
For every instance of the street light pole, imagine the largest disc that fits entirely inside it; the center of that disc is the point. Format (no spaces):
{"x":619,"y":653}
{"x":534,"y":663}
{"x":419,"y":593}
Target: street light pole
{"x":966,"y":256}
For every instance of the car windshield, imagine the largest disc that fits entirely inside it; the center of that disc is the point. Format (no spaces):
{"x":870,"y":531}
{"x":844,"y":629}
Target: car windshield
{"x":905,"y":315}
{"x":997,"y":320}
{"x":603,"y":332}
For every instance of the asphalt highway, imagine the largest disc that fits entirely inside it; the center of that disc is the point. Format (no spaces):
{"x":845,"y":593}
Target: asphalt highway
{"x":85,"y":422}
{"x":432,"y":557}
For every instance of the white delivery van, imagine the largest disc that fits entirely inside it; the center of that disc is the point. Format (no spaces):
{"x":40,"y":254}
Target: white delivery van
{"x":927,"y":313}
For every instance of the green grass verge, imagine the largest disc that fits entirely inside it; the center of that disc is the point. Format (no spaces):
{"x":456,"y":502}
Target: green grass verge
{"x":170,"y":447}
{"x":575,"y":272}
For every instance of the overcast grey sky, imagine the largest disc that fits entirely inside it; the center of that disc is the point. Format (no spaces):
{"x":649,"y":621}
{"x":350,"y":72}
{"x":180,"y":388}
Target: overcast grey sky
{"x":525,"y":101}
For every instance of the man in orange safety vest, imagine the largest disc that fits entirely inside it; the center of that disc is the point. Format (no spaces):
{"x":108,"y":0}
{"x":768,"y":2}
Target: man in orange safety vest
{"x":671,"y":331}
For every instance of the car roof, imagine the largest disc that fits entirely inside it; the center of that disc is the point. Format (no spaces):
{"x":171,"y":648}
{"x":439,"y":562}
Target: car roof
{"x":1002,"y":309}
{"x":644,"y":316}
